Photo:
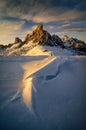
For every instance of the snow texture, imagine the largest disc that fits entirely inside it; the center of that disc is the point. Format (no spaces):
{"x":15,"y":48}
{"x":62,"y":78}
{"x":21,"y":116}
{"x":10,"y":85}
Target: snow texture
{"x":44,"y":91}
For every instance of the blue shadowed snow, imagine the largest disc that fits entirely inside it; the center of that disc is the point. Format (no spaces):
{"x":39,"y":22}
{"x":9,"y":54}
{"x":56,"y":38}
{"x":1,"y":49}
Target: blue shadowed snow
{"x":58,"y":94}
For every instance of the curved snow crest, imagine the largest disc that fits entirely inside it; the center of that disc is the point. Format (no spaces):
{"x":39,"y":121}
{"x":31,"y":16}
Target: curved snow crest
{"x":59,"y":79}
{"x":53,"y":90}
{"x":41,"y":72}
{"x":27,"y":93}
{"x":30,"y":69}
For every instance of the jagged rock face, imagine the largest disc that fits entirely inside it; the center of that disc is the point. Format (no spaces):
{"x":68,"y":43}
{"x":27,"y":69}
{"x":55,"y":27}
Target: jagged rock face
{"x":73,"y":43}
{"x":39,"y":35}
{"x":57,"y":40}
{"x":42,"y":37}
{"x":39,"y":27}
{"x":65,"y":37}
{"x":18,"y":40}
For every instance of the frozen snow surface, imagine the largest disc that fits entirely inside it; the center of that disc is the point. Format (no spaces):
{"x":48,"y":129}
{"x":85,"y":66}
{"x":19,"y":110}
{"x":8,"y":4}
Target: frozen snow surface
{"x":45,"y":90}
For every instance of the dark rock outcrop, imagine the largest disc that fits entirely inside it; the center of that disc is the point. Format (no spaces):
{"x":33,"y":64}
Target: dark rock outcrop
{"x":5,"y":46}
{"x":17,"y":40}
{"x":2,"y":46}
{"x":57,"y":41}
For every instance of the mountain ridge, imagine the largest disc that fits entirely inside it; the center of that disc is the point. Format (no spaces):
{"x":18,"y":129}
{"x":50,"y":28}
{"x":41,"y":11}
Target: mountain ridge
{"x":42,"y":37}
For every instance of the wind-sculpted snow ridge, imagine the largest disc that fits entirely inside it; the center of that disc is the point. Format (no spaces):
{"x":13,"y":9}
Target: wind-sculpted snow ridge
{"x":39,"y":70}
{"x":28,"y":79}
{"x":43,"y":92}
{"x":53,"y":91}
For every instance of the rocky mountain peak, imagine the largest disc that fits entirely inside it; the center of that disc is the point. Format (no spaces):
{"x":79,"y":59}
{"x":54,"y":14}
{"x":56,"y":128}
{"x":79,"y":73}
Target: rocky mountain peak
{"x":39,"y":27}
{"x":40,"y":36}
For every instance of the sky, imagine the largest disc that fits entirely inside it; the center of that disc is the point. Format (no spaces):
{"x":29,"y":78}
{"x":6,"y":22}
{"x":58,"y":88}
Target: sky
{"x":61,"y":17}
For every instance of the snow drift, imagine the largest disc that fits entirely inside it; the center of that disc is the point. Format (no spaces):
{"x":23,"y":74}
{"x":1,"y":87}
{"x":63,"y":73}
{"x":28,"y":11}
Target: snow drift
{"x":43,"y":92}
{"x":55,"y":94}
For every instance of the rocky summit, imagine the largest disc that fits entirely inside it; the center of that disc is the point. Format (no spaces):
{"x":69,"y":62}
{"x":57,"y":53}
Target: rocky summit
{"x":42,"y":37}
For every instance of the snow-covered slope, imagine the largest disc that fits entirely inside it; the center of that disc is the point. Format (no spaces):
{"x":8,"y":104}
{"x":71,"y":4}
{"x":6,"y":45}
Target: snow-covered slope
{"x":43,"y":92}
{"x":55,"y":94}
{"x":15,"y":50}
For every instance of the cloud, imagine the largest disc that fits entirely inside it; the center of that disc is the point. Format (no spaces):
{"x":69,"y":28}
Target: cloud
{"x":50,"y":16}
{"x":77,"y":30}
{"x":65,"y":26}
{"x":39,"y":10}
{"x":10,"y":27}
{"x":9,"y":30}
{"x":19,"y":17}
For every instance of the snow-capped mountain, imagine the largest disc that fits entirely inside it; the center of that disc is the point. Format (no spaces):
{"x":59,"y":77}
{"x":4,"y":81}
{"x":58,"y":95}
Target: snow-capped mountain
{"x":41,"y":37}
{"x":73,"y":43}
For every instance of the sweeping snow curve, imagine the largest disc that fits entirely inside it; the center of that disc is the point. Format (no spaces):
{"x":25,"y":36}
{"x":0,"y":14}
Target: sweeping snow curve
{"x":28,"y":78}
{"x":54,"y":91}
{"x":54,"y":94}
{"x":36,"y":66}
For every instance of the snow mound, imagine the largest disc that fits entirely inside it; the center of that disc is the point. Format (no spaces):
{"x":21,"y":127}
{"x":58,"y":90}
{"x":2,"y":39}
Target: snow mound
{"x":38,"y":50}
{"x":54,"y":92}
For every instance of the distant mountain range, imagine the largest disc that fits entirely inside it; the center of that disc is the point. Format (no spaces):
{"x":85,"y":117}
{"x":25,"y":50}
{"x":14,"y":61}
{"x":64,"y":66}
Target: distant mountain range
{"x":41,"y":37}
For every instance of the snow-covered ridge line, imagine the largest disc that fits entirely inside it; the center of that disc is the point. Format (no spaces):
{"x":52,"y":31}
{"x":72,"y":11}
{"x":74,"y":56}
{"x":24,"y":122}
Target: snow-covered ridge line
{"x":34,"y":67}
{"x":34,"y":72}
{"x":41,"y":37}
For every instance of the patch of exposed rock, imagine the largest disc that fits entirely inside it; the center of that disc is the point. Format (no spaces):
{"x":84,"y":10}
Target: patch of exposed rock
{"x":17,"y":40}
{"x":42,"y":37}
